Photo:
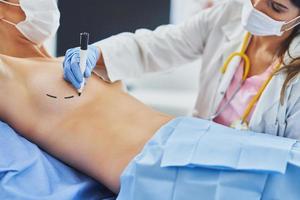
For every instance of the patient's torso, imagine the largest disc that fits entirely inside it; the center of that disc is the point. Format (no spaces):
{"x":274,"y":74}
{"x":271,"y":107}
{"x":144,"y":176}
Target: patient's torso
{"x":38,"y":101}
{"x":38,"y":84}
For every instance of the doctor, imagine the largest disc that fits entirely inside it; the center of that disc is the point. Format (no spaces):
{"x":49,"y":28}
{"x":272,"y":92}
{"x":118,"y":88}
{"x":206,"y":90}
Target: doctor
{"x":251,"y":61}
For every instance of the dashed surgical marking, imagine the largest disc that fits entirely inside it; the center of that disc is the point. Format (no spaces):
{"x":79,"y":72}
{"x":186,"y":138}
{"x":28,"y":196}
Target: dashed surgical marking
{"x":55,"y":97}
{"x":70,"y":97}
{"x":51,"y":96}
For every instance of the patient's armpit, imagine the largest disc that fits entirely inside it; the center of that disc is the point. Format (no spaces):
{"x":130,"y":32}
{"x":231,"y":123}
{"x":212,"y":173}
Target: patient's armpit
{"x":97,"y":133}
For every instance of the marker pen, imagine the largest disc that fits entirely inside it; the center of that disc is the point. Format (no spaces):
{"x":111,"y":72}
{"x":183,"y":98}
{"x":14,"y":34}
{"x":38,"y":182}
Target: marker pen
{"x":84,"y":42}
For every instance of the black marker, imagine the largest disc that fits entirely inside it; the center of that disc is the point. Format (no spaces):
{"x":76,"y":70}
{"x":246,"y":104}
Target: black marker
{"x":84,"y":42}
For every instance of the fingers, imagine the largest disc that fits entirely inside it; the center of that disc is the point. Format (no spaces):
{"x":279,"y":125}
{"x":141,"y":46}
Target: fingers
{"x":75,"y":68}
{"x":92,"y":60}
{"x":71,"y":67}
{"x":70,"y":77}
{"x":89,"y":68}
{"x":87,"y":73}
{"x":69,"y":54}
{"x":95,"y":52}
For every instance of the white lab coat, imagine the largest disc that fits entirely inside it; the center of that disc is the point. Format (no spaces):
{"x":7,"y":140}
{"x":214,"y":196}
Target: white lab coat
{"x":214,"y":33}
{"x":184,"y":9}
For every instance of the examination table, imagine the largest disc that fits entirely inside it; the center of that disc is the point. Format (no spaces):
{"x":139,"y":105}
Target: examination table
{"x":28,"y":173}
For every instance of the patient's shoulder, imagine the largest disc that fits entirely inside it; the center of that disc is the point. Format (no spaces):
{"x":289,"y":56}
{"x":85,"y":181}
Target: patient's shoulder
{"x":5,"y":72}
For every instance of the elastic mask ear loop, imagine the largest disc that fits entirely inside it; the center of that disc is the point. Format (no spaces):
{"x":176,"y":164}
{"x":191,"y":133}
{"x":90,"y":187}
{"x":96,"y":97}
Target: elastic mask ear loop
{"x":35,"y":46}
{"x":11,"y":23}
{"x":9,"y":3}
{"x":286,"y":27}
{"x":12,"y":4}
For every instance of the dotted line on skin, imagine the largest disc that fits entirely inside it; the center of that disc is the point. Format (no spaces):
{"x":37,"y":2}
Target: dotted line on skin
{"x":70,"y":97}
{"x":51,"y":96}
{"x":55,"y":97}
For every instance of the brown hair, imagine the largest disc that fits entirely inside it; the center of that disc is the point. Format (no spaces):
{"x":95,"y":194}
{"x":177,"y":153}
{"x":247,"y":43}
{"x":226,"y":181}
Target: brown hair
{"x":291,"y":69}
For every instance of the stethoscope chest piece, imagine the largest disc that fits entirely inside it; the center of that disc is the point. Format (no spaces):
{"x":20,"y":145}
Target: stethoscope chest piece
{"x":240,"y":125}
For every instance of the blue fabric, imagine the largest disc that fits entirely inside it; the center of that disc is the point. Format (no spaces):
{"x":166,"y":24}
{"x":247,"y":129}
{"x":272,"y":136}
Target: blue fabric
{"x":191,"y":158}
{"x":27,"y":173}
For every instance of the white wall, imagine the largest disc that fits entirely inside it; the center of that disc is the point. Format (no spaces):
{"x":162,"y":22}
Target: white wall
{"x":184,"y":9}
{"x":172,"y":92}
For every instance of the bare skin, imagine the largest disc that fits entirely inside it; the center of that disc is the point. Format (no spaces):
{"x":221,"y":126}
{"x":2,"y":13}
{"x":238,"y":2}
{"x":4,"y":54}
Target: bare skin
{"x":262,"y":50}
{"x":98,"y":133}
{"x":13,"y":43}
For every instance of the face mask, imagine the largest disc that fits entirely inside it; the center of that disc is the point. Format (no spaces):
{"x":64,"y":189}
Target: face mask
{"x":260,"y":24}
{"x":42,"y":19}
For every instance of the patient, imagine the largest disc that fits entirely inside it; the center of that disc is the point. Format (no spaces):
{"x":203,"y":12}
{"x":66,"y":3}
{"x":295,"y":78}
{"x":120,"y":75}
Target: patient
{"x":98,"y":133}
{"x":48,"y":177}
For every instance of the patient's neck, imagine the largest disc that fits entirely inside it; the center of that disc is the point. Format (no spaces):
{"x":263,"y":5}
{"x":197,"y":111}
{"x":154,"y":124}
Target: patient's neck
{"x":21,"y":48}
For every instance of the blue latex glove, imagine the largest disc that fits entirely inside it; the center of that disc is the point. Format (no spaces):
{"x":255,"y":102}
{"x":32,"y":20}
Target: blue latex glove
{"x":71,"y":65}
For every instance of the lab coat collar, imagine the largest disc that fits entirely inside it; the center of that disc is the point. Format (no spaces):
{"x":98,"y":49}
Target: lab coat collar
{"x":234,"y":33}
{"x":234,"y":41}
{"x":269,"y":98}
{"x":273,"y":90}
{"x":294,"y":52}
{"x":233,"y":29}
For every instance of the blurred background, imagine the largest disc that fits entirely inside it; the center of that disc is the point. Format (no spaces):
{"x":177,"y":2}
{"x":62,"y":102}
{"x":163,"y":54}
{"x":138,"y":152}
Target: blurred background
{"x":171,"y":92}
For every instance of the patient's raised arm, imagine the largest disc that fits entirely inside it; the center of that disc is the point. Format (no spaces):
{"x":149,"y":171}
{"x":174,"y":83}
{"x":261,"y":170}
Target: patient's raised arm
{"x":97,"y":133}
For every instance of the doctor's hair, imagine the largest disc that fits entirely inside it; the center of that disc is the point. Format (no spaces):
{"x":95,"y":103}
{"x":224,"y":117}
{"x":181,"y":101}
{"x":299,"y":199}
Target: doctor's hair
{"x":292,"y":69}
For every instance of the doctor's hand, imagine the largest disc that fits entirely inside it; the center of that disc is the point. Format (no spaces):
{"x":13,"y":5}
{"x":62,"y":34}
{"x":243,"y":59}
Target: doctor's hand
{"x":71,"y":65}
